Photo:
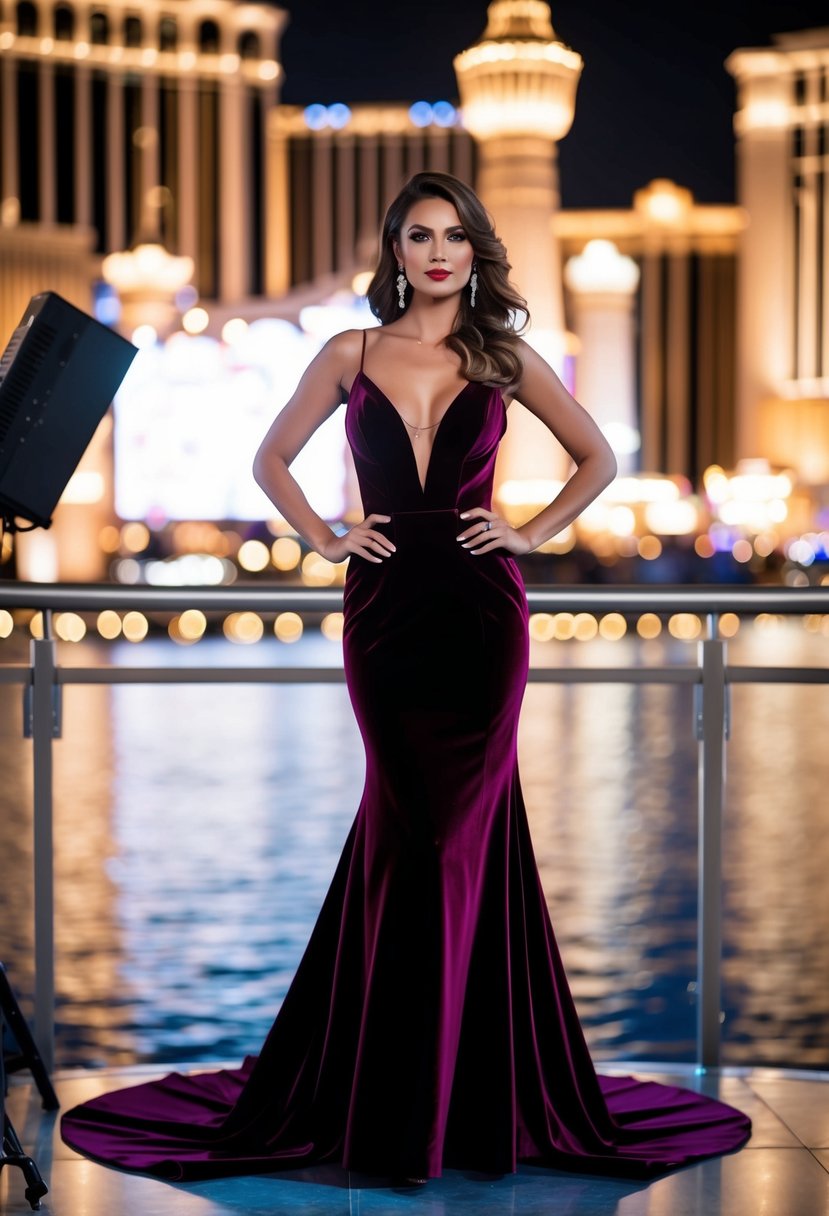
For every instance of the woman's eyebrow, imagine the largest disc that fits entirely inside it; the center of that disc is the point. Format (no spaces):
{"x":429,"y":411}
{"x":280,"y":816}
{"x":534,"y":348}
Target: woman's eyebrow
{"x":423,"y":228}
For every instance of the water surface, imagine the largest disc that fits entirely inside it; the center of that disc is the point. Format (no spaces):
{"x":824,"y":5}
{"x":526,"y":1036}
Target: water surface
{"x":197,"y":829}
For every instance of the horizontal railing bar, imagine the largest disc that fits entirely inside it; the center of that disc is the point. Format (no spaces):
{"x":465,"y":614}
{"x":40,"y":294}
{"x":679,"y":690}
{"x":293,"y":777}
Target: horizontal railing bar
{"x":614,"y":675}
{"x":777,"y":675}
{"x":200,"y":675}
{"x":717,"y":598}
{"x":21,"y":674}
{"x":327,"y":675}
{"x":15,"y":674}
{"x":323,"y":675}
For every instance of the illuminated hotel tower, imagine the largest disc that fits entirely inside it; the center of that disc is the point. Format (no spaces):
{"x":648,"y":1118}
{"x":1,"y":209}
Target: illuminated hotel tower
{"x":122,"y":122}
{"x":517,"y":86}
{"x":783,"y":290}
{"x":109,"y":105}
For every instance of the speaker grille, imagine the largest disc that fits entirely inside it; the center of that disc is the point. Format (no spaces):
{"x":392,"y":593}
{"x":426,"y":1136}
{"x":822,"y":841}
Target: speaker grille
{"x":19,"y":365}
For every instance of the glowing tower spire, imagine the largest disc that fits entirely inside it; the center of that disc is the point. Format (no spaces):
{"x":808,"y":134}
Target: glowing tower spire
{"x":517,"y":85}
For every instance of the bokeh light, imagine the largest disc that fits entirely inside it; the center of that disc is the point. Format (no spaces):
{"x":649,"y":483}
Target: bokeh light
{"x":109,"y":539}
{"x":542,"y":627}
{"x":187,"y":628}
{"x":108,"y":624}
{"x":613,"y":627}
{"x":650,"y":547}
{"x":684,"y":626}
{"x":286,"y":553}
{"x":288,"y":627}
{"x":649,"y":626}
{"x":243,"y":627}
{"x":586,"y":627}
{"x":135,"y":626}
{"x":564,"y":626}
{"x":331,"y":626}
{"x":234,"y":330}
{"x":317,"y":571}
{"x":195,"y":320}
{"x":70,"y":627}
{"x":729,"y":625}
{"x":135,"y":537}
{"x":253,"y":556}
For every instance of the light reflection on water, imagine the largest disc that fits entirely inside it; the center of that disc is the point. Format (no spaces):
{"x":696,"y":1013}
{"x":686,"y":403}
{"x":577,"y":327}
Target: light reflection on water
{"x":197,"y":829}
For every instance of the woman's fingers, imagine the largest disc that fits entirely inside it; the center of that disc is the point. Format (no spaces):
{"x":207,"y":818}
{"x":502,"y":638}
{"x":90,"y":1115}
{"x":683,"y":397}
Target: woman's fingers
{"x":363,"y":540}
{"x":485,"y":527}
{"x":378,"y":538}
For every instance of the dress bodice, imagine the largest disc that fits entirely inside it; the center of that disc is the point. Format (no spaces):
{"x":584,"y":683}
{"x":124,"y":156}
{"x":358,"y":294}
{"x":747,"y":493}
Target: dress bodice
{"x":461,"y":463}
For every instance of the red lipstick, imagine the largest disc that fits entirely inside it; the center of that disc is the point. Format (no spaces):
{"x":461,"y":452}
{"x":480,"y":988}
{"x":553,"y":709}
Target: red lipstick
{"x":438,"y":275}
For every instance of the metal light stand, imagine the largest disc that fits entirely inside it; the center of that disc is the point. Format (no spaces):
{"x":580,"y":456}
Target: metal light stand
{"x":27,"y":1056}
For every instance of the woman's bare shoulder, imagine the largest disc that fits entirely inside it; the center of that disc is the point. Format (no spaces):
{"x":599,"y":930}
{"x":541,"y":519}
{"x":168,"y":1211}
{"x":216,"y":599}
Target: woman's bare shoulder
{"x":342,"y":354}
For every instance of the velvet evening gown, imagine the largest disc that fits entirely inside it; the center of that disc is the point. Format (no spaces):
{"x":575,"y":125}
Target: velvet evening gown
{"x":429,"y":1023}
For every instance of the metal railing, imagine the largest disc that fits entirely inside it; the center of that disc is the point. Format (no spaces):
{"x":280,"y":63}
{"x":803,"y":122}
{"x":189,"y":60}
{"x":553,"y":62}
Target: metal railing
{"x":43,"y":678}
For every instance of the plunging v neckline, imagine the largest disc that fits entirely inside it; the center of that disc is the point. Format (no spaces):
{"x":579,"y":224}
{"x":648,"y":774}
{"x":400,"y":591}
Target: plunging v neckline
{"x":423,"y":484}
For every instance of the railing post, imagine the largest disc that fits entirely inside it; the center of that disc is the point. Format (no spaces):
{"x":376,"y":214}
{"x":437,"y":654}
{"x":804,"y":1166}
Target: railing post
{"x":711,"y":724}
{"x":44,"y":725}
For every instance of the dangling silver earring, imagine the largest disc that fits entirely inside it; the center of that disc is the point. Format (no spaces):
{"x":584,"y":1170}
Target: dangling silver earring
{"x":473,"y":286}
{"x":401,"y":288}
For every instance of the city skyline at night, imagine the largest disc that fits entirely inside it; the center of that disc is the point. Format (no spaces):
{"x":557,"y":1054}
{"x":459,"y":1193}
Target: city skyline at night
{"x":654,"y":99}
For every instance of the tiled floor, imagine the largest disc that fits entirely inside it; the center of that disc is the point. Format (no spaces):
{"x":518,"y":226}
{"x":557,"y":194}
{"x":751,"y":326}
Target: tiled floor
{"x":784,"y":1171}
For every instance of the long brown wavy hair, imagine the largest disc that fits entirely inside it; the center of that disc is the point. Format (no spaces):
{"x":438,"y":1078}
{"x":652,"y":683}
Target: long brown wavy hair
{"x":486,"y":336}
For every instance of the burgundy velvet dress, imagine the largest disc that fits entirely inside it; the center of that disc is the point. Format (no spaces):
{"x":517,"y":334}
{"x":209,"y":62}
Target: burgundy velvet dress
{"x":429,"y":1023}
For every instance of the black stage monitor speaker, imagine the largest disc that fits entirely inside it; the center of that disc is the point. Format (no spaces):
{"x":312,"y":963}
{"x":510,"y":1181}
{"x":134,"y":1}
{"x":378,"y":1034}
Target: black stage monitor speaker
{"x":58,"y":375}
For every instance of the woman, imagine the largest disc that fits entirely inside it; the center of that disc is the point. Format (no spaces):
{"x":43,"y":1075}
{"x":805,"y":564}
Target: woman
{"x":429,"y":1023}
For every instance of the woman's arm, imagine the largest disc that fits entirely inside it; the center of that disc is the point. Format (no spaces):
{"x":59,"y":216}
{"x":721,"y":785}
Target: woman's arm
{"x":317,"y":396}
{"x":543,"y":393}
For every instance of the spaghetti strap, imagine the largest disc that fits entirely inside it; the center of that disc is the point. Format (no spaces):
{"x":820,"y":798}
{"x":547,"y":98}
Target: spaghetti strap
{"x":363,"y":355}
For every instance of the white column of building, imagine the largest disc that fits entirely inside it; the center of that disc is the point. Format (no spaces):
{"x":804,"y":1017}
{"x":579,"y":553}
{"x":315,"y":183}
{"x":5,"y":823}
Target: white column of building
{"x":345,"y":202}
{"x":807,"y":254}
{"x":678,"y":370}
{"x":149,"y":164}
{"x":462,"y":148}
{"x":392,"y":167}
{"x":438,"y":138}
{"x":47,"y":178}
{"x":186,"y":204}
{"x":234,"y":191}
{"x":115,"y":198}
{"x":277,"y":207}
{"x":765,"y":283}
{"x":10,"y":201}
{"x":83,"y":146}
{"x":368,"y":184}
{"x":322,"y":263}
{"x":603,"y":284}
{"x":415,"y":154}
{"x":652,"y":348}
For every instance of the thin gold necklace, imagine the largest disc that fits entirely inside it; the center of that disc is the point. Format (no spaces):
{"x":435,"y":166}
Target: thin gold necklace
{"x":418,"y":429}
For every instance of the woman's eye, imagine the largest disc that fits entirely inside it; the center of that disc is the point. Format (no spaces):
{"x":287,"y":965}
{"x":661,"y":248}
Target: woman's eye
{"x":457,"y":236}
{"x":419,"y":236}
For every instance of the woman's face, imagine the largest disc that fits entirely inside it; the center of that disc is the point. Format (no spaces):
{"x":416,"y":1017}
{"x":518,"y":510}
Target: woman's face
{"x":436,"y":253}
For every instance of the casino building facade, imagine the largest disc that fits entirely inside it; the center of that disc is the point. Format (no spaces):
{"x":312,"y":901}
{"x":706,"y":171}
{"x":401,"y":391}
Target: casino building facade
{"x":697,"y":334}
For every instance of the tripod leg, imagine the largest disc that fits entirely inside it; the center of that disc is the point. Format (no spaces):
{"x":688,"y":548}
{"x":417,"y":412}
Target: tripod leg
{"x":29,"y":1055}
{"x":12,"y":1154}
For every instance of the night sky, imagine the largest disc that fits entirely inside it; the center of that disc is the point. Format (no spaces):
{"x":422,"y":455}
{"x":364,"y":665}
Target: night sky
{"x":654,"y":99}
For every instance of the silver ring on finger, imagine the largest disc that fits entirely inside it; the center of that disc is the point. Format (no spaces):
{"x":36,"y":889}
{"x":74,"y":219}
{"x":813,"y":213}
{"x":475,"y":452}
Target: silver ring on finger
{"x":488,"y":526}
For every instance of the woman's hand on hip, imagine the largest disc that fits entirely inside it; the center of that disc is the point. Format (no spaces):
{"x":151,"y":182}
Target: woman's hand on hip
{"x":488,"y":531}
{"x":363,"y":540}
